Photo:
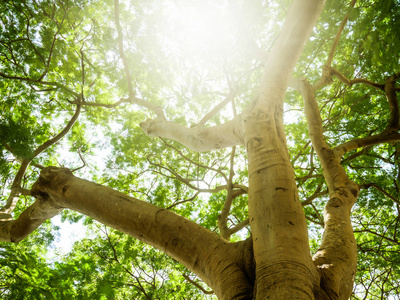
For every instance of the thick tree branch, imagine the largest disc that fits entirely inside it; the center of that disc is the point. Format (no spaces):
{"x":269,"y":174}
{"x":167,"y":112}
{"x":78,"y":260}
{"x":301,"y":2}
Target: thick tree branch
{"x":343,"y":192}
{"x":200,"y":250}
{"x":337,"y":253}
{"x":333,"y":171}
{"x":390,"y":90}
{"x":366,"y":142}
{"x":286,"y":51}
{"x":276,"y":215}
{"x":29,"y":220}
{"x":198,"y":139}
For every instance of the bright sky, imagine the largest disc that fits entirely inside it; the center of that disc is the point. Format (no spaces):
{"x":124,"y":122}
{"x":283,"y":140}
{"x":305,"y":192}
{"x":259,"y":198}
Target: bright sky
{"x":200,"y":27}
{"x":69,"y":234}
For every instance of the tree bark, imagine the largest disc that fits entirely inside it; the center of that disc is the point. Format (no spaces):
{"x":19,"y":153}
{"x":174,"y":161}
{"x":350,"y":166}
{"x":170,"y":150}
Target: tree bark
{"x":226,"y":267}
{"x":199,"y":138}
{"x":284,"y":268}
{"x":276,"y":262}
{"x":336,"y":258}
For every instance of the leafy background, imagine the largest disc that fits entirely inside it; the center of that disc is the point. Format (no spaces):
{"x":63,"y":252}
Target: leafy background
{"x":53,"y":51}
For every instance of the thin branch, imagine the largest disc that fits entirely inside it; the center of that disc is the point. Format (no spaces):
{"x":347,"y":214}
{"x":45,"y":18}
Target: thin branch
{"x":106,"y":105}
{"x":121,"y":50}
{"x":223,"y":216}
{"x":7,"y":146}
{"x":377,"y":187}
{"x":239,"y":226}
{"x":40,"y":82}
{"x":326,"y":76}
{"x":379,"y":235}
{"x":218,"y":107}
{"x":83,"y":161}
{"x":187,"y":181}
{"x":193,"y":162}
{"x":318,"y":214}
{"x":197,"y":285}
{"x":47,"y":65}
{"x":156,"y":109}
{"x":314,"y":196}
{"x":390,"y":133}
{"x":355,"y":155}
{"x":350,"y":82}
{"x":83,"y":74}
{"x":27,"y":33}
{"x":30,"y":219}
{"x":184,"y":201}
{"x":300,"y":152}
{"x":13,"y":198}
{"x":315,"y":221}
{"x":60,"y":135}
{"x":215,"y":110}
{"x":339,"y":33}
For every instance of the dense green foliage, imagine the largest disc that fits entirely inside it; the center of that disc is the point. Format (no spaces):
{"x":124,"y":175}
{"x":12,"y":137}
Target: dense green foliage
{"x":53,"y":52}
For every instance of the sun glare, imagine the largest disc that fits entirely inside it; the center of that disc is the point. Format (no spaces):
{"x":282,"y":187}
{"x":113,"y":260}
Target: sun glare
{"x":200,"y":27}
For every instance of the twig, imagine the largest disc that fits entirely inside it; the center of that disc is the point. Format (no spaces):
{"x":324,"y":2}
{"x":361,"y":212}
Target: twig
{"x":40,"y":82}
{"x":183,"y":201}
{"x":374,"y":185}
{"x":82,"y":159}
{"x":197,"y":285}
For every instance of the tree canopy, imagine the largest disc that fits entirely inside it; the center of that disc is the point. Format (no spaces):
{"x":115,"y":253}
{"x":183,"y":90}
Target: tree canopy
{"x":137,"y":96}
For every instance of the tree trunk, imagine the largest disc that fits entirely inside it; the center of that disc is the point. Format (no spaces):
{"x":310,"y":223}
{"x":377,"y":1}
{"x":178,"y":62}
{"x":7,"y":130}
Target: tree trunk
{"x":284,"y":268}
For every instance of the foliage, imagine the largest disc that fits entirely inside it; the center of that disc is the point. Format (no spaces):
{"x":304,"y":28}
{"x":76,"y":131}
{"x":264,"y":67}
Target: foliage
{"x":53,"y":52}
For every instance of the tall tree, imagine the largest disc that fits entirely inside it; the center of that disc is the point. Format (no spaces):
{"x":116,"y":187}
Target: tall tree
{"x":300,"y":155}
